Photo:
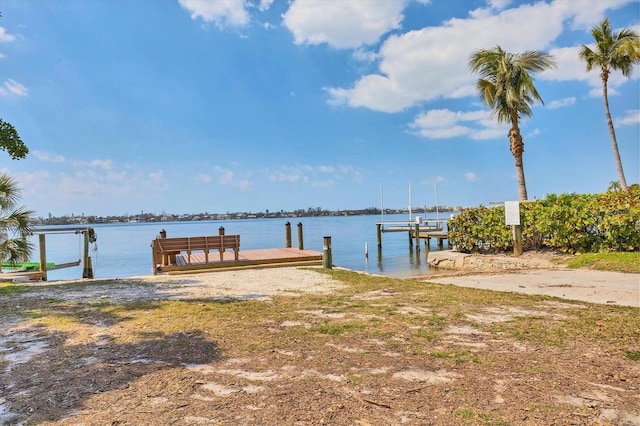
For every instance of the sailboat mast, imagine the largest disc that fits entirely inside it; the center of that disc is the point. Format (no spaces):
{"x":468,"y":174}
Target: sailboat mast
{"x":410,"y":201}
{"x":381,"y":203}
{"x":435,"y":188}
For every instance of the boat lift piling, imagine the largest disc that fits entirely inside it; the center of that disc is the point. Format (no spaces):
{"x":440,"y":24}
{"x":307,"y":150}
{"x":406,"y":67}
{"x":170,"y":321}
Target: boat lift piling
{"x":89,"y":237}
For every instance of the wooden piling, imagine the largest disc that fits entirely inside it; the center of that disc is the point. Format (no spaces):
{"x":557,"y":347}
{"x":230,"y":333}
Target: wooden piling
{"x":43,"y":256}
{"x":87,"y":270}
{"x":300,"y":237}
{"x":287,"y":235}
{"x":327,"y":261}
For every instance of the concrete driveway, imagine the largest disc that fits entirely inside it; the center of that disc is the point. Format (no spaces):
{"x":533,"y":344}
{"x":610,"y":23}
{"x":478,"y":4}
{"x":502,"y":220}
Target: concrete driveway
{"x":576,"y":284}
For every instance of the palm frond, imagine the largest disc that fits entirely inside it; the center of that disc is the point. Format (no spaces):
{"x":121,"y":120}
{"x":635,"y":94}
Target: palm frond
{"x":506,"y":81}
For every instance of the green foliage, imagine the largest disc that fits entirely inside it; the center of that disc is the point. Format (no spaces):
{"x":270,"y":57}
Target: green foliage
{"x":10,"y":141}
{"x":15,"y":223}
{"x":575,"y":223}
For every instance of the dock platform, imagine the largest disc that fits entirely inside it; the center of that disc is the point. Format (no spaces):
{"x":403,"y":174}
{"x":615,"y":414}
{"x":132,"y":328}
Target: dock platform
{"x":247,"y":259}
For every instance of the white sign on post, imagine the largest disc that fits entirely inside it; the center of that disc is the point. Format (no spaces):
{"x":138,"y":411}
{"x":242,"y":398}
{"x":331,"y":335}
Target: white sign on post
{"x":512,"y":212}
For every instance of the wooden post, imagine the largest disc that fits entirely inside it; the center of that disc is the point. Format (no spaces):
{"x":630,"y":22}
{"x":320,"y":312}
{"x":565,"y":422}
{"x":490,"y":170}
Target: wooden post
{"x":155,"y":256}
{"x":25,"y":257}
{"x":517,"y":240}
{"x":512,"y":218}
{"x":43,"y":256}
{"x":326,"y":253}
{"x":287,"y":235}
{"x":379,"y":235}
{"x":417,"y":235}
{"x":300,"y":237}
{"x":164,"y":259}
{"x":87,"y":270}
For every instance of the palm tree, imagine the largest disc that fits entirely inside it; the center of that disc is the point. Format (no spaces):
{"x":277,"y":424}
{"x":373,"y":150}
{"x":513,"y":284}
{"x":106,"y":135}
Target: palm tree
{"x":506,"y":85}
{"x":15,"y":223}
{"x":618,"y":50}
{"x":614,"y":185}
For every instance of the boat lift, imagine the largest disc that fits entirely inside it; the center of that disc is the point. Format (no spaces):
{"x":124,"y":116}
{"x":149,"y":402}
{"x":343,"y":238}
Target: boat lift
{"x":41,"y":274}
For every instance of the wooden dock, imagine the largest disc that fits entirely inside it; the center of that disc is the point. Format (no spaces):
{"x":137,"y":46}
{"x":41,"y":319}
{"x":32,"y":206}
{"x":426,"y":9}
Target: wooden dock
{"x":247,"y":259}
{"x":416,"y":230}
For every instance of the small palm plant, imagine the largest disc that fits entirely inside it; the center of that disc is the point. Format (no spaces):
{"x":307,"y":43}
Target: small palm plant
{"x":15,"y":223}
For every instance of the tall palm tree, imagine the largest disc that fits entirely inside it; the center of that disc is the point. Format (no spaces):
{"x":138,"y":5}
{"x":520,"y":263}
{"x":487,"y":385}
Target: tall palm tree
{"x":506,"y":85}
{"x":15,"y":223}
{"x":613,"y":51}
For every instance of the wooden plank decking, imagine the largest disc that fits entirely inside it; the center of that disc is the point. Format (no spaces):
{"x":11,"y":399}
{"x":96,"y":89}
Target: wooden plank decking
{"x":263,"y":258}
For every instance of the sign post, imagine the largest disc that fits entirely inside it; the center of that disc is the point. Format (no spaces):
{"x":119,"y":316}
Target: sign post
{"x":512,"y":218}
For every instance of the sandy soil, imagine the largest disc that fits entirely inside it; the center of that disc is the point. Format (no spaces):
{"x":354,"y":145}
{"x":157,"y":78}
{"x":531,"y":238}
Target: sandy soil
{"x":244,"y":284}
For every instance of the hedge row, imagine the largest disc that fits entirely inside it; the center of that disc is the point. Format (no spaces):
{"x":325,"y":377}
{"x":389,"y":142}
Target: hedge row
{"x":569,"y":222}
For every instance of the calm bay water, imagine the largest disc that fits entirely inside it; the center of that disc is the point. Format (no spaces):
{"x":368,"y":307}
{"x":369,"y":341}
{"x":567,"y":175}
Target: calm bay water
{"x":124,"y":250}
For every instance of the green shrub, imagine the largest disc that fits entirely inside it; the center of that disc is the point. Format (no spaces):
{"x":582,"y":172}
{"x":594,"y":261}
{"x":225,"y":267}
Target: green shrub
{"x":575,"y":223}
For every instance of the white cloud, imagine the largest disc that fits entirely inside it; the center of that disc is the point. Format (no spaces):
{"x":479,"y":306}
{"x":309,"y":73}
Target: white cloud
{"x":342,"y":24}
{"x":204,"y":178}
{"x":264,"y":5}
{"x":583,"y":18}
{"x":571,"y":68}
{"x":5,"y":37}
{"x":561,"y":103}
{"x":88,"y":187}
{"x":417,"y":66}
{"x":12,"y":86}
{"x":632,"y":118}
{"x":228,"y":177}
{"x":222,"y":13}
{"x":47,"y":157}
{"x":470,"y":177}
{"x":92,"y":164}
{"x":364,"y":55}
{"x":446,"y":124}
{"x":317,"y":176}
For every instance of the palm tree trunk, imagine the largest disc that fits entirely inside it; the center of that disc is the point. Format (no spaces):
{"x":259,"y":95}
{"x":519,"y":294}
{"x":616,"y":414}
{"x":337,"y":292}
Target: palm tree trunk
{"x":516,"y":145}
{"x":612,"y":132}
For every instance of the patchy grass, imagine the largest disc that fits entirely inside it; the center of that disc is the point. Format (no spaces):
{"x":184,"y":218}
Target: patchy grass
{"x":619,"y":262}
{"x":10,"y":289}
{"x":458,"y":355}
{"x":358,"y":337}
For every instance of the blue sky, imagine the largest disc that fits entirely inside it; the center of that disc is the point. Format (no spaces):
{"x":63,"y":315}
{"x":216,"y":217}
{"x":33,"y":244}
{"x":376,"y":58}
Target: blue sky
{"x":188,"y":106}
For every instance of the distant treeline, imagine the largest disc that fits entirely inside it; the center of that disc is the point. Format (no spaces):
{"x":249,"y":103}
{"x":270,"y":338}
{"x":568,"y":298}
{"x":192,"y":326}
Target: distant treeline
{"x":165,"y":217}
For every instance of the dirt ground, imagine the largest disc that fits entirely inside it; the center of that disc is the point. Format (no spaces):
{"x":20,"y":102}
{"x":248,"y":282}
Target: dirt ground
{"x":466,"y":372}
